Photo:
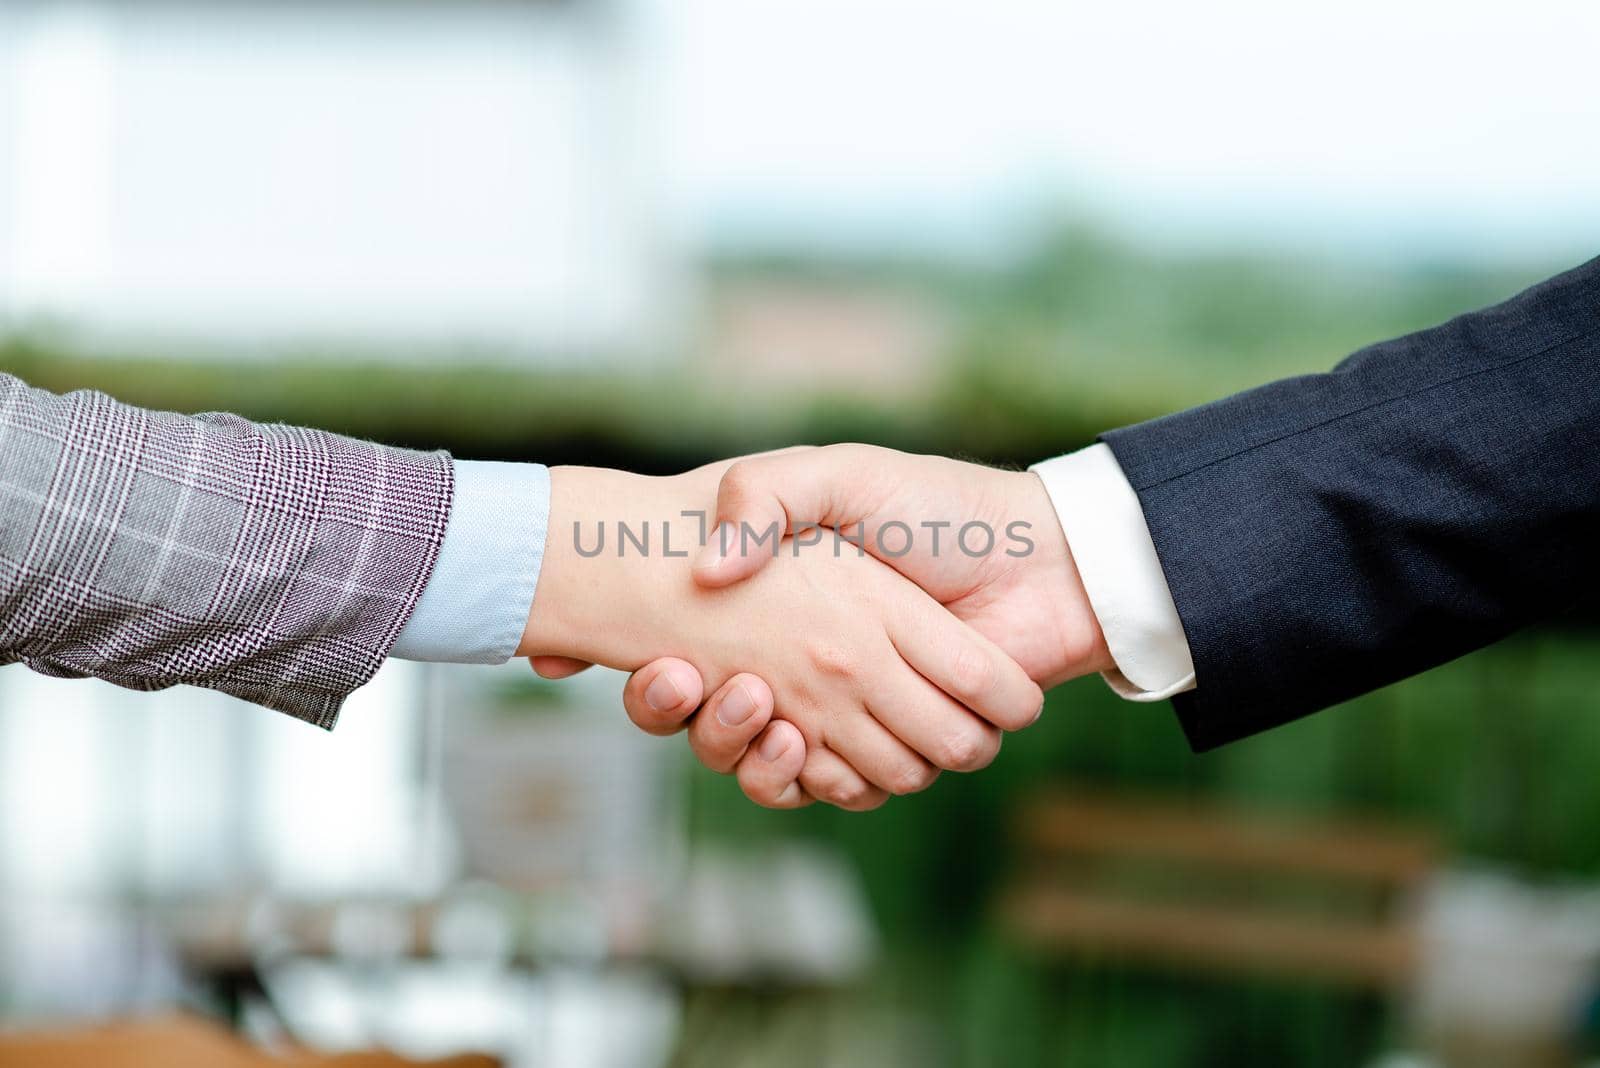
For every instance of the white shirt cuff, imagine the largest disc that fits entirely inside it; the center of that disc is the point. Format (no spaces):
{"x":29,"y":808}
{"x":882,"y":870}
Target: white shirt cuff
{"x":476,"y":604}
{"x":1121,"y":573}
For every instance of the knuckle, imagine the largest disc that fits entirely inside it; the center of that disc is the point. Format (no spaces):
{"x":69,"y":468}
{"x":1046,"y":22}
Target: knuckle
{"x":869,"y":798}
{"x":912,"y":778}
{"x":738,"y":481}
{"x":972,"y":674}
{"x":967,"y":750}
{"x":1021,"y":715}
{"x":847,"y":793}
{"x":1021,"y":712}
{"x":860,"y":452}
{"x":833,"y":660}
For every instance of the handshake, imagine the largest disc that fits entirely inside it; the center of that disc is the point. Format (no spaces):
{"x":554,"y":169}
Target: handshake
{"x":861,"y":618}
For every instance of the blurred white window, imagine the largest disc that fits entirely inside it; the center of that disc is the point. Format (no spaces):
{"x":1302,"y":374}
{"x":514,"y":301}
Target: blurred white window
{"x":105,"y":791}
{"x":386,"y":177}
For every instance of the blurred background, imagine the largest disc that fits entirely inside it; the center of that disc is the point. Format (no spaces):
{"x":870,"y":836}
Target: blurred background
{"x":648,"y":234}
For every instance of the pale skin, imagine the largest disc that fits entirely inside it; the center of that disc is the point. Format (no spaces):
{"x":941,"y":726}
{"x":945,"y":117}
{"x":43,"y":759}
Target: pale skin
{"x":881,"y":687}
{"x":1033,"y":606}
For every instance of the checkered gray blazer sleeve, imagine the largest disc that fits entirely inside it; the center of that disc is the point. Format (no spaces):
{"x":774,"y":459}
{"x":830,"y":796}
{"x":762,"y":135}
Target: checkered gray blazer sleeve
{"x":150,"y":549}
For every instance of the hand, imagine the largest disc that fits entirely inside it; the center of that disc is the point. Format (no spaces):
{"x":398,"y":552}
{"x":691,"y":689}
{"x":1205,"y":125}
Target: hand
{"x":1027,"y":597}
{"x":666,"y":692}
{"x":662,"y":695}
{"x":873,"y":676}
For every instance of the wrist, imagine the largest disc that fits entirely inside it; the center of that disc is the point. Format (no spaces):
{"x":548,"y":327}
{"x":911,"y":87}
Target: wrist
{"x":1077,"y":643}
{"x":1120,"y":572}
{"x":618,"y":555}
{"x":572,"y":584}
{"x":1089,"y":653}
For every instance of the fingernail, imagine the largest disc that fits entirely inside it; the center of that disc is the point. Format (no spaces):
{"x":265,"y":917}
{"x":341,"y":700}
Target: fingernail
{"x":773,"y":747}
{"x":1037,"y":714}
{"x":663,"y":694}
{"x":737,"y":707}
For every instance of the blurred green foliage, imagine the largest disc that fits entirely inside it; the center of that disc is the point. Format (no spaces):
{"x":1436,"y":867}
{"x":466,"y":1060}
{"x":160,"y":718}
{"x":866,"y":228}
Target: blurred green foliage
{"x":1494,"y":753}
{"x":1077,"y":335}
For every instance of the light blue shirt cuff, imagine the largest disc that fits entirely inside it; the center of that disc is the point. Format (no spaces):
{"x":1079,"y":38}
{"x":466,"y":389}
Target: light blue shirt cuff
{"x":476,"y":603}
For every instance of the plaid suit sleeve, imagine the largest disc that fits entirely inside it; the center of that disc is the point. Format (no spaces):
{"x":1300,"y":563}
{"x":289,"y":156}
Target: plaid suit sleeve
{"x":150,"y":549}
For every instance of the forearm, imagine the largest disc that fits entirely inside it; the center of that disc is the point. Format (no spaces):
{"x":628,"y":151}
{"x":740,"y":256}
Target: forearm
{"x":150,"y":549}
{"x":1328,"y":535}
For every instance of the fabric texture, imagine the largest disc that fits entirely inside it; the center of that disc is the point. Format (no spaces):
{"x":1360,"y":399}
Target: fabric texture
{"x":149,"y":549}
{"x":1110,"y":543}
{"x":1327,"y":535}
{"x":477,"y":602}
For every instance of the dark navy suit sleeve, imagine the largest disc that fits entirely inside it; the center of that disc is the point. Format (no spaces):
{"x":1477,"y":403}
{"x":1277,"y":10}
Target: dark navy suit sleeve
{"x":1328,"y":535}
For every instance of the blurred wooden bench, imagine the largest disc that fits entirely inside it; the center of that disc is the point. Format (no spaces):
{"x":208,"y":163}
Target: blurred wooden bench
{"x":1182,"y":885}
{"x":183,"y":1041}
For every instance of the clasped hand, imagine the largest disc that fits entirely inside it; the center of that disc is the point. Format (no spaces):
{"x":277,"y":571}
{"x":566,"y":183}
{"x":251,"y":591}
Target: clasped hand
{"x":862,"y":618}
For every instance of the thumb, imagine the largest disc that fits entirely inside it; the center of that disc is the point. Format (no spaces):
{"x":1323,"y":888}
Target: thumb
{"x":762,"y":499}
